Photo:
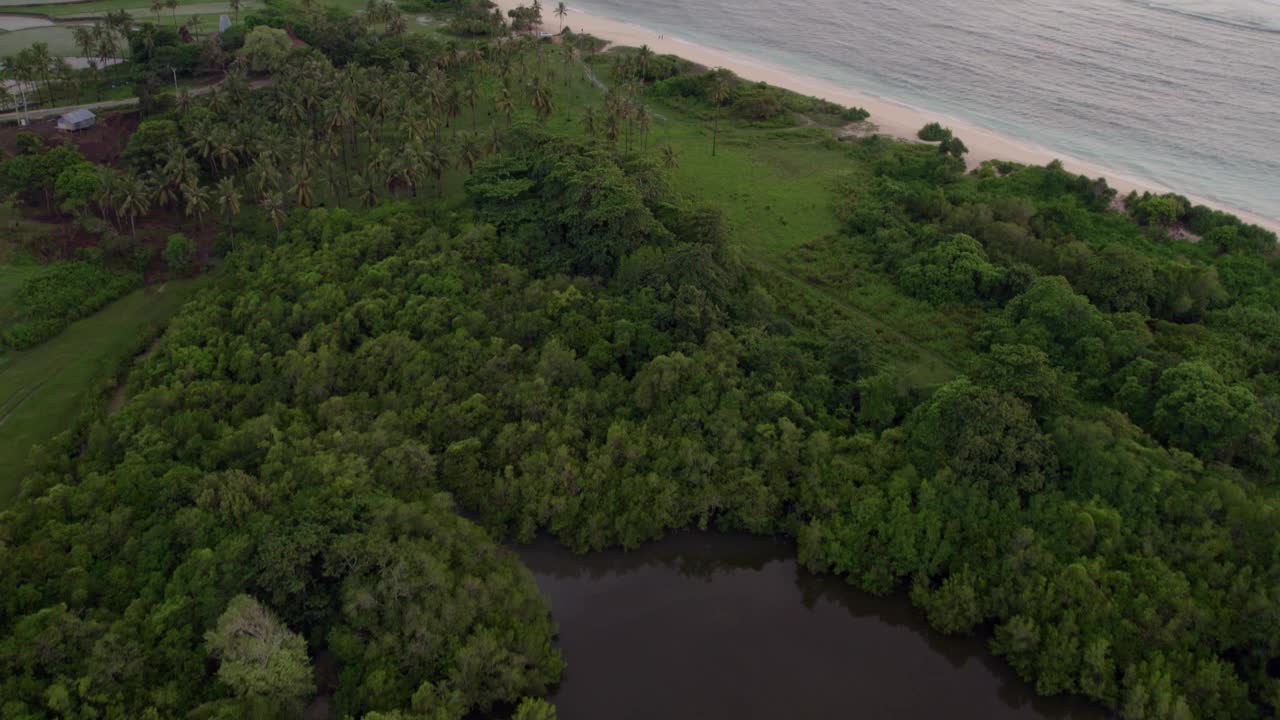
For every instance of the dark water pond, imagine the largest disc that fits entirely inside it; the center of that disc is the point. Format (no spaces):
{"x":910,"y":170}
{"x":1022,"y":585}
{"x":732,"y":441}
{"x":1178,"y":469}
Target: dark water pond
{"x":727,"y":626}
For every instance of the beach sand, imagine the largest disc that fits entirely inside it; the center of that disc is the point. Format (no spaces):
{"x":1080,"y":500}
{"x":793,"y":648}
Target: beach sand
{"x":892,"y":118}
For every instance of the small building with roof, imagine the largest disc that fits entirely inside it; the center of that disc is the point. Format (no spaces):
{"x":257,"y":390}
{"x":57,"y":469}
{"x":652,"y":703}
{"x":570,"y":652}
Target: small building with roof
{"x":81,"y":119}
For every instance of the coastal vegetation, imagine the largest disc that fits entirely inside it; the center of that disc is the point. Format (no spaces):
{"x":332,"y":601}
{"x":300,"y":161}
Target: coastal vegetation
{"x":476,"y":288}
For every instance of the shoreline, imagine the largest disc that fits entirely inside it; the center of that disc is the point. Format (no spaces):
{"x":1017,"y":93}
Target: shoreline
{"x":891,"y":118}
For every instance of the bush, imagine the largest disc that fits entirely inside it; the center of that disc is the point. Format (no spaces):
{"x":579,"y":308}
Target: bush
{"x":29,"y":143}
{"x":933,"y":132}
{"x":854,"y":114}
{"x":232,"y":39}
{"x":179,"y":254}
{"x":68,"y":292}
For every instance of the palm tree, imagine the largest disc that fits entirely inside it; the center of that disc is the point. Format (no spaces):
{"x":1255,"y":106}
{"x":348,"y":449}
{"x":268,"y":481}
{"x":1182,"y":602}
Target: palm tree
{"x":107,"y":193}
{"x":505,"y":104}
{"x":196,"y":199}
{"x":471,"y":97}
{"x":84,"y":40}
{"x":265,"y":175}
{"x":235,"y":8}
{"x":41,"y":61}
{"x":644,"y":58}
{"x":147,"y":34}
{"x":172,"y":5}
{"x":135,"y":200}
{"x":644,"y":120}
{"x":589,"y":125}
{"x":368,"y":191}
{"x":612,"y":129}
{"x":670,"y":160}
{"x":452,"y":104}
{"x":156,"y":7}
{"x":194,"y":23}
{"x":570,"y":58}
{"x":560,"y":12}
{"x":719,"y":94}
{"x":202,"y":138}
{"x":540,"y":97}
{"x":302,"y":191}
{"x":469,"y":151}
{"x":226,"y":146}
{"x":228,"y":201}
{"x":273,"y":206}
{"x":435,"y":159}
{"x":495,"y":142}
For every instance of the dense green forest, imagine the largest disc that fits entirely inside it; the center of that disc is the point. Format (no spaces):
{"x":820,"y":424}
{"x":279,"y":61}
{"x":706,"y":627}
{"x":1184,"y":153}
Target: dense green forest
{"x":473,"y":294}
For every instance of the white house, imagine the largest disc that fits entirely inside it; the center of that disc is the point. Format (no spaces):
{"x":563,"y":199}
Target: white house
{"x":77,"y":120}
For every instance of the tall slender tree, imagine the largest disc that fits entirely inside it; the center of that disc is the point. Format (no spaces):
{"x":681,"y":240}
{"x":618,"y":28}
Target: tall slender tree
{"x":504,"y":103}
{"x":195,"y":201}
{"x":273,"y":206}
{"x":135,"y":200}
{"x":719,"y":94}
{"x":228,"y":201}
{"x":541,"y":99}
{"x":561,"y":11}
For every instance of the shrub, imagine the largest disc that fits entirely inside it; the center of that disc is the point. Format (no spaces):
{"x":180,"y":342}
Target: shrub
{"x":933,"y":132}
{"x":179,"y":254}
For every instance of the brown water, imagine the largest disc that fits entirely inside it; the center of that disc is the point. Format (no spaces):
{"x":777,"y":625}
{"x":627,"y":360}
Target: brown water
{"x":712,"y":626}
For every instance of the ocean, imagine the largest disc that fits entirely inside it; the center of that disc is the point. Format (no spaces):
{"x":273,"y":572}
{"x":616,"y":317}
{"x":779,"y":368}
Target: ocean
{"x":1179,"y":93}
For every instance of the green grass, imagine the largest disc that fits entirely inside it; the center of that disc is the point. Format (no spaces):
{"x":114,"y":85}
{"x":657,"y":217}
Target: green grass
{"x":101,"y":7}
{"x":777,"y":187}
{"x":59,"y":38}
{"x":43,"y":390}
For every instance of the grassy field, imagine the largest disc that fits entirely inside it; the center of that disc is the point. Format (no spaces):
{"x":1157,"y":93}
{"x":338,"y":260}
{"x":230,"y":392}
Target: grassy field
{"x":59,"y":38}
{"x":44,"y":389}
{"x":137,"y":8}
{"x":777,"y":187}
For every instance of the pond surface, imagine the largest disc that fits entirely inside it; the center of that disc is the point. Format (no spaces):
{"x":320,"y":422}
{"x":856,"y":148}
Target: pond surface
{"x":712,"y":626}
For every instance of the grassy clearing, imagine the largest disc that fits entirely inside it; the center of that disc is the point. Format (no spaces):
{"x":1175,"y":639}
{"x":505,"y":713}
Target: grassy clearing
{"x":777,"y":186}
{"x":44,"y":389}
{"x":60,"y":39}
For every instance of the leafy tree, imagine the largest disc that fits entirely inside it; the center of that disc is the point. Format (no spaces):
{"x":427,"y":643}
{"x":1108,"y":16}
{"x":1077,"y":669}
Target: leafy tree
{"x":265,"y":48}
{"x":150,"y":145}
{"x":259,"y":658}
{"x":955,"y":270}
{"x":985,"y":436}
{"x":1199,"y":411}
{"x":535,"y":708}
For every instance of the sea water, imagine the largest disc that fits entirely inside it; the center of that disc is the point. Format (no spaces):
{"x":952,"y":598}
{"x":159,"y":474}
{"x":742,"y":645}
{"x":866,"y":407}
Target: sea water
{"x":1179,"y":93}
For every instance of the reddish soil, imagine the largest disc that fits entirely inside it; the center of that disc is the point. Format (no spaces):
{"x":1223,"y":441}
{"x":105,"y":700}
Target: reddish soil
{"x":60,"y":239}
{"x":101,"y":143}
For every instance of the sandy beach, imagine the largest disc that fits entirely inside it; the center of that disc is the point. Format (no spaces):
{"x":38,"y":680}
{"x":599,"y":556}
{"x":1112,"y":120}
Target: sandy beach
{"x":892,"y":118}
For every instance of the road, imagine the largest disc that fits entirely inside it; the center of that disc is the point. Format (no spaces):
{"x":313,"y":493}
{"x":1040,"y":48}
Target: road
{"x":107,"y":104}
